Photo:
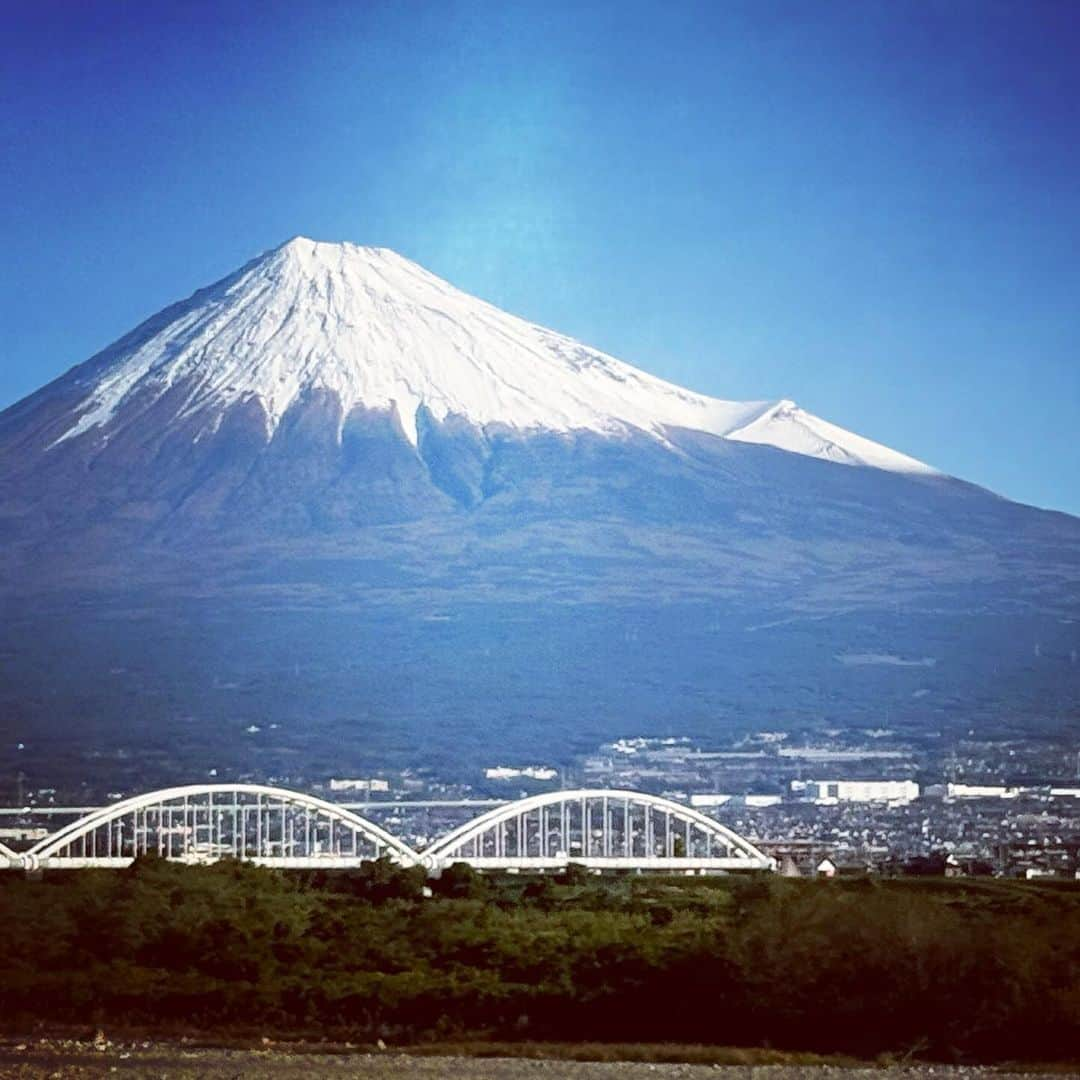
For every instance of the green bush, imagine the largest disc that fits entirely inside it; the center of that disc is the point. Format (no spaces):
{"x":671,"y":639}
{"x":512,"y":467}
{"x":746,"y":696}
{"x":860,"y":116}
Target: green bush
{"x":951,"y":969}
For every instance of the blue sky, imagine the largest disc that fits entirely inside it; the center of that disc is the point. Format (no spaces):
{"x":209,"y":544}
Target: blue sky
{"x":872,"y":208}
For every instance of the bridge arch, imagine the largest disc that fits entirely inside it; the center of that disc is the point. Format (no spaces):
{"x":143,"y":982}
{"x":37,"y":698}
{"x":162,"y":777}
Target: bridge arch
{"x":8,"y":857}
{"x":600,"y":828}
{"x":206,"y":822}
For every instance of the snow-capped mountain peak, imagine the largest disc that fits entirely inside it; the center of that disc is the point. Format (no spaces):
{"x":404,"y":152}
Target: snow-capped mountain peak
{"x":378,"y":332}
{"x":788,"y":427}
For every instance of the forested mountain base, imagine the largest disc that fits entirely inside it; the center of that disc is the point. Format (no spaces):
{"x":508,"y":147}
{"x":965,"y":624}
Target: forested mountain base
{"x":957,"y":970}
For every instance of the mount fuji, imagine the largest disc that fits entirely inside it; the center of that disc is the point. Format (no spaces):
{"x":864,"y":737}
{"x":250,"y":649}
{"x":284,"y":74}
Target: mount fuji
{"x":445,"y":510}
{"x":339,"y":340}
{"x":374,"y":332}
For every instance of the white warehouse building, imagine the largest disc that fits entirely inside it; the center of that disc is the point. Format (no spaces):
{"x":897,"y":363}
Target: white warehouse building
{"x":828,"y":792}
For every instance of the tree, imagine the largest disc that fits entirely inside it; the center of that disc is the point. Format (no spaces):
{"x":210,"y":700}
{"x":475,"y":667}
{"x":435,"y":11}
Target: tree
{"x":460,"y":881}
{"x":383,"y":879}
{"x":575,"y":874}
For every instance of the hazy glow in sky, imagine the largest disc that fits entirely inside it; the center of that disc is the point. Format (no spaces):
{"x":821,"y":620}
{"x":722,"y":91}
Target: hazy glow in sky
{"x":872,"y":208}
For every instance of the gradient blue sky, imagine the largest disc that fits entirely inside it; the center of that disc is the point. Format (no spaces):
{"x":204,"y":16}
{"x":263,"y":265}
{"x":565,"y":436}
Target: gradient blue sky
{"x":872,"y":208}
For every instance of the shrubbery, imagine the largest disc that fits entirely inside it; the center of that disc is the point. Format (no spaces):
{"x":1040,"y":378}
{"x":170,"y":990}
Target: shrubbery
{"x":970,"y":970}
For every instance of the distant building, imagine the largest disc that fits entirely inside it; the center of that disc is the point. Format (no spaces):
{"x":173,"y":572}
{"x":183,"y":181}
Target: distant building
{"x":528,"y":772}
{"x":980,"y":791}
{"x":843,"y":866}
{"x":710,"y":800}
{"x":360,"y":785}
{"x":743,"y":800}
{"x":832,"y":753}
{"x":830,"y":792}
{"x":763,"y":800}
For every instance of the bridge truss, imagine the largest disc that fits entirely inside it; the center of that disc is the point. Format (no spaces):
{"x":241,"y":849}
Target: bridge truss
{"x":203,"y":823}
{"x":601,"y":829}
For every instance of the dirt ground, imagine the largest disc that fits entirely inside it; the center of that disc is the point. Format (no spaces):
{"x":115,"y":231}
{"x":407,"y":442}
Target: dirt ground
{"x":177,"y":1061}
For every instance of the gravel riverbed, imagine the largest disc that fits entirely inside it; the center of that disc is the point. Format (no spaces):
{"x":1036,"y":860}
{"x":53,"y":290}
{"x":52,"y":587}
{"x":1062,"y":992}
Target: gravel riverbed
{"x":177,"y":1061}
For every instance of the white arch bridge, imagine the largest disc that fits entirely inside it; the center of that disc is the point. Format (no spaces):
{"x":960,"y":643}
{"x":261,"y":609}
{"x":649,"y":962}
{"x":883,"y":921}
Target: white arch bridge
{"x":601,"y":829}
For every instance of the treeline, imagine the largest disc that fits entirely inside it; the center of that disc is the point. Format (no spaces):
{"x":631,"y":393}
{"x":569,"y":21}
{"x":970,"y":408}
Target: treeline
{"x":976,"y":970}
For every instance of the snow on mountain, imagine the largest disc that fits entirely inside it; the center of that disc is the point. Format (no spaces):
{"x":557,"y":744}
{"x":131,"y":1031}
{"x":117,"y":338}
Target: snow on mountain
{"x":379,"y":332}
{"x":788,"y":427}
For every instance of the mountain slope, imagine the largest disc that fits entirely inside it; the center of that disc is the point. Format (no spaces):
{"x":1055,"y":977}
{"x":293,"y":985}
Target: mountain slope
{"x":325,"y":389}
{"x":371,"y":331}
